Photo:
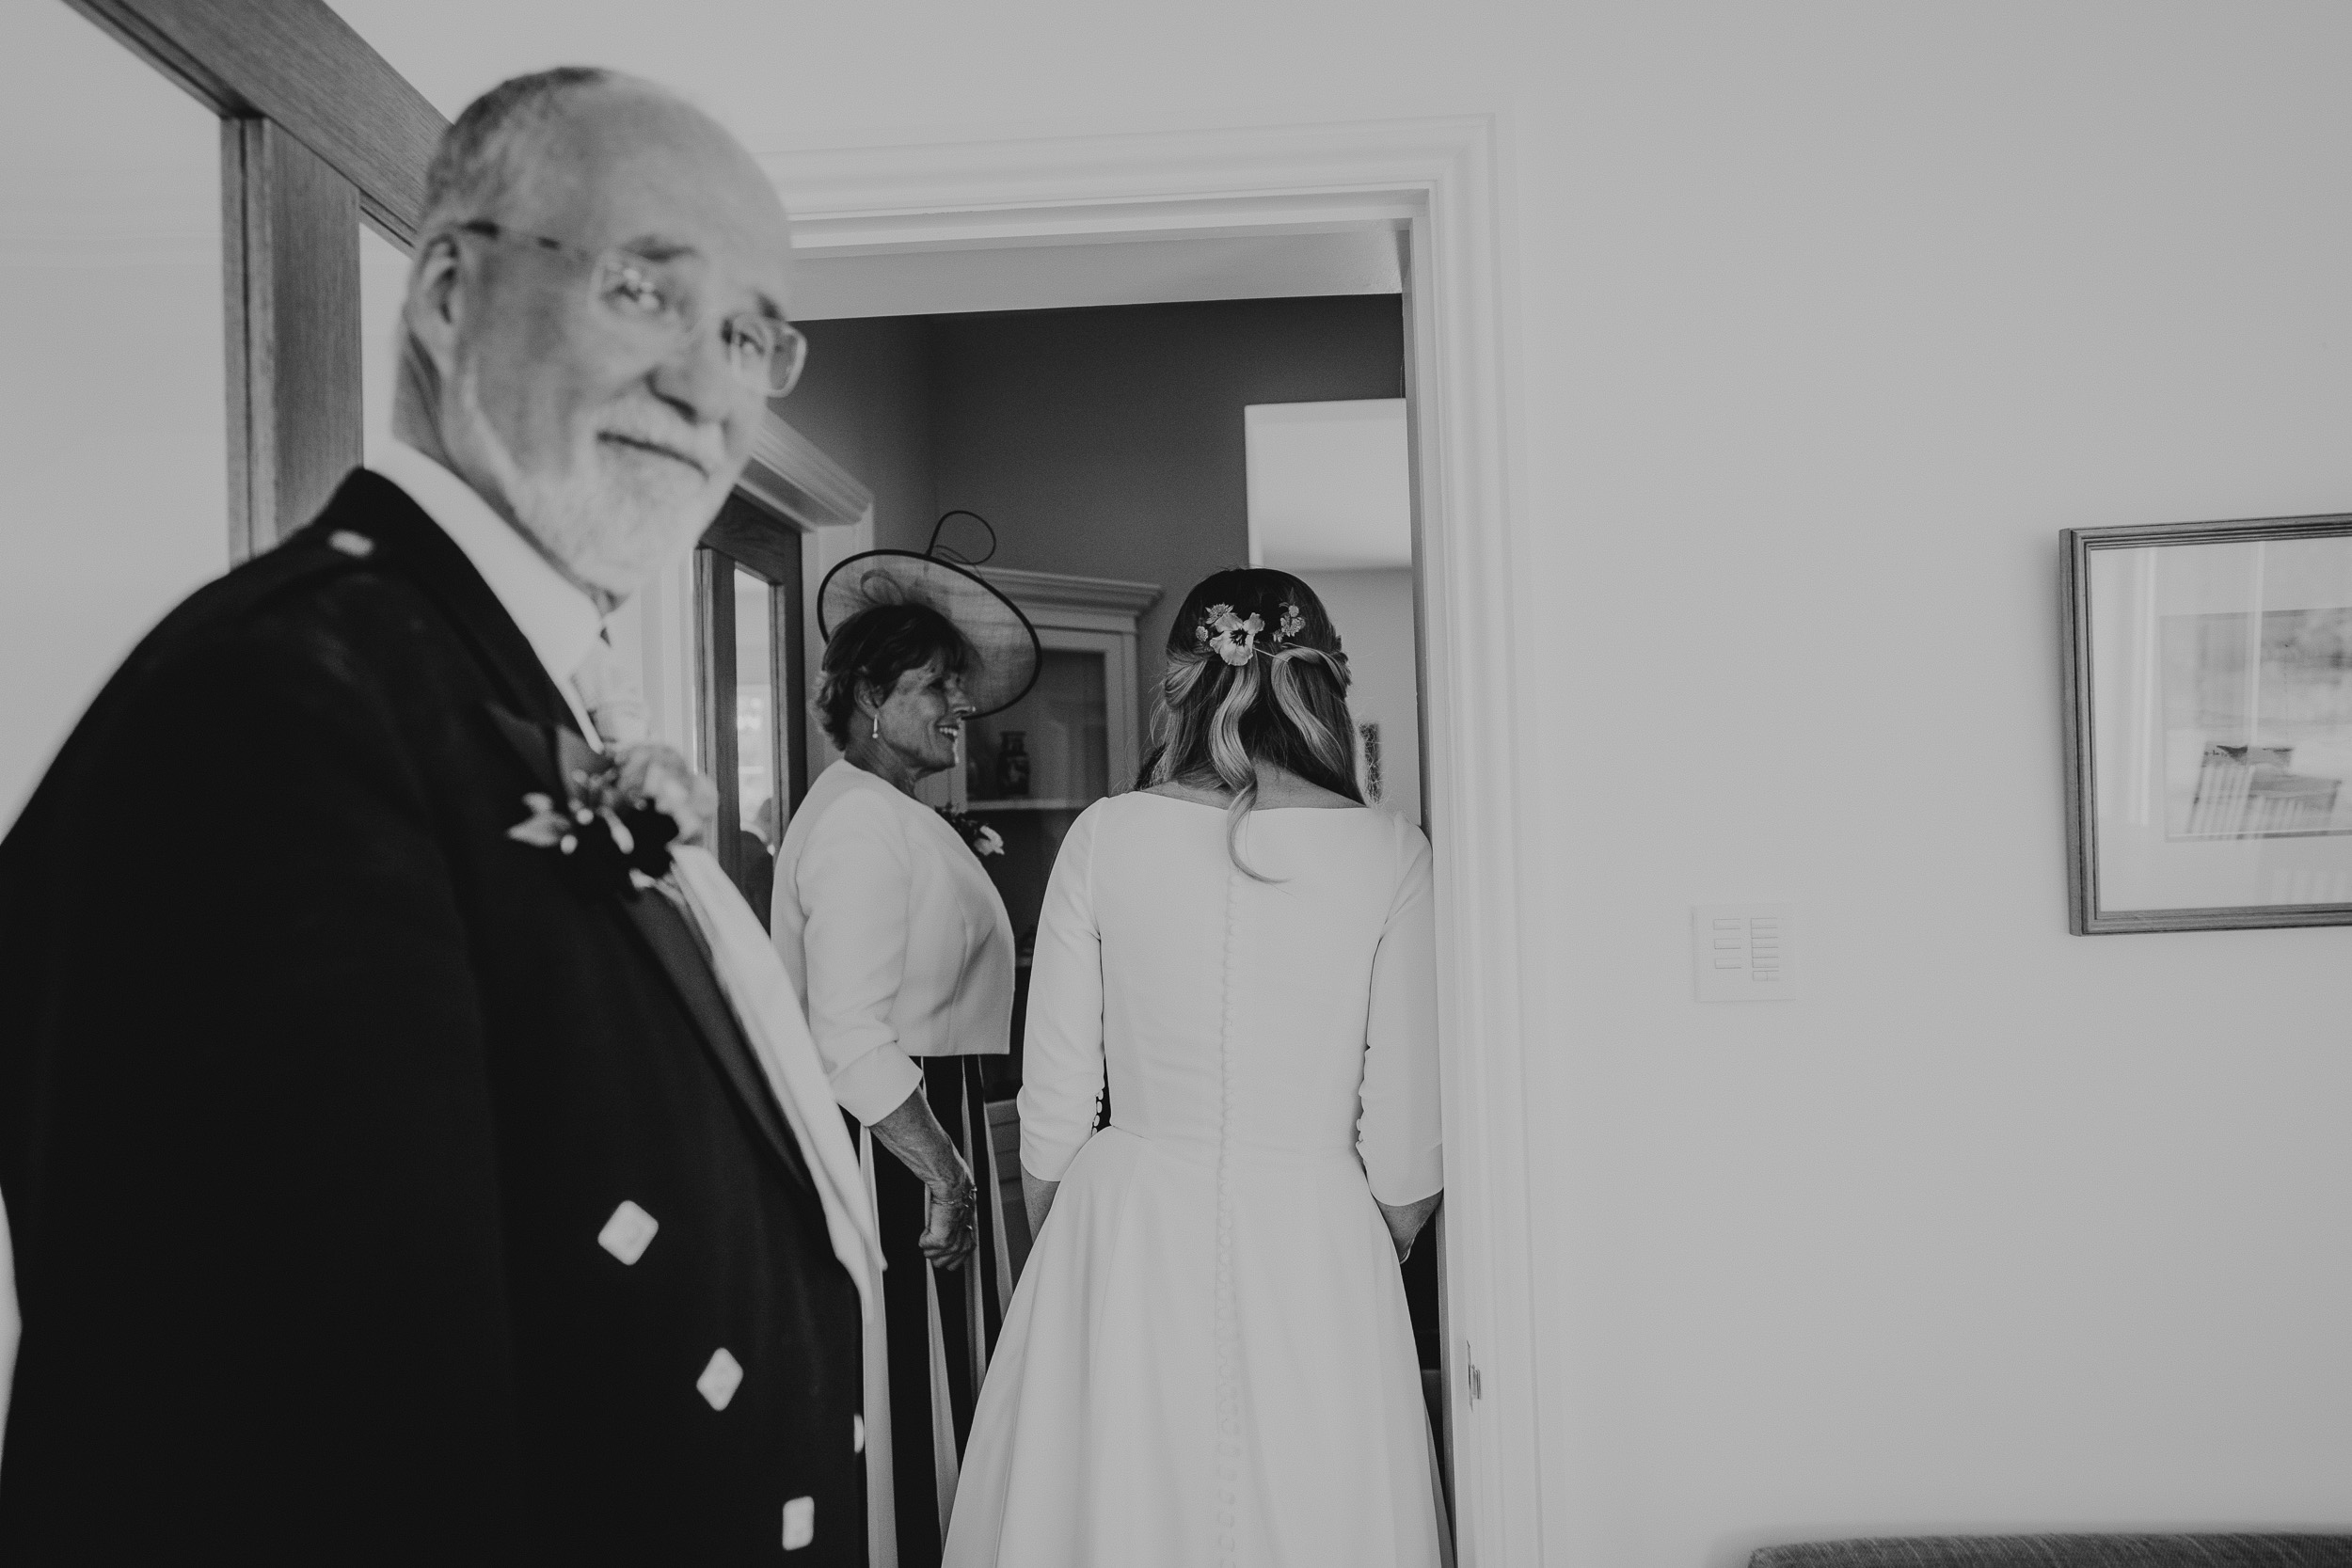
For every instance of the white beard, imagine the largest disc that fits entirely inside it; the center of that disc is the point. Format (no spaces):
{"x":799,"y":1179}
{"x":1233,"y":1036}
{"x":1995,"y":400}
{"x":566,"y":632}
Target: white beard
{"x":610,"y":534}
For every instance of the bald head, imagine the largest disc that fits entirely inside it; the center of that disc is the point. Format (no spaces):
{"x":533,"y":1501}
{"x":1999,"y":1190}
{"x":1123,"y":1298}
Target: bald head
{"x":481,"y":157}
{"x":596,"y":254}
{"x":530,"y":143}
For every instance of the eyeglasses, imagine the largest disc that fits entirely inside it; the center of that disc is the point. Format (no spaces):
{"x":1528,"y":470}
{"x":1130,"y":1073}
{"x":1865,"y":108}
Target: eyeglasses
{"x":661,"y":302}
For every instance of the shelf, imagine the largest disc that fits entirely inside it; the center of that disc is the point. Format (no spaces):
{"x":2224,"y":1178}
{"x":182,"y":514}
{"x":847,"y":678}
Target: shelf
{"x":975,"y":807}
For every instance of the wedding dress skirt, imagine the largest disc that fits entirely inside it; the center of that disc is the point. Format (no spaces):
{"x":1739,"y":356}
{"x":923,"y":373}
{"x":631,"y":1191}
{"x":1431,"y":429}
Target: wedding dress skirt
{"x":1208,"y":1358}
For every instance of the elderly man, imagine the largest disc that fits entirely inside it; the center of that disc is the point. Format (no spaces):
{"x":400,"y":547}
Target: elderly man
{"x":393,"y":1178}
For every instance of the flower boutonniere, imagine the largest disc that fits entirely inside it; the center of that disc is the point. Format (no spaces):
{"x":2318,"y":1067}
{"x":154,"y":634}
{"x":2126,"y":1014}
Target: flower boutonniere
{"x":985,"y":841}
{"x":621,"y":812}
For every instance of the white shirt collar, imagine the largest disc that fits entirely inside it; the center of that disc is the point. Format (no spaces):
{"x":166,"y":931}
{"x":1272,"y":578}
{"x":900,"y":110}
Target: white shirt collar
{"x":559,"y":621}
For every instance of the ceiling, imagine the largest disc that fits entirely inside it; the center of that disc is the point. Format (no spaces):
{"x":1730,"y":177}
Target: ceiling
{"x":1330,"y":485}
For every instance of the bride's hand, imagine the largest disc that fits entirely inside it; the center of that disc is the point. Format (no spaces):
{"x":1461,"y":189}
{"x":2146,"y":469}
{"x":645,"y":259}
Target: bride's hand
{"x":1405,"y":1221}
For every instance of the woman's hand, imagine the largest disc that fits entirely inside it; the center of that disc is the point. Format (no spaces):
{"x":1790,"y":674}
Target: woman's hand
{"x":913,"y":1135}
{"x":1406,"y":1220}
{"x":950,"y":1225}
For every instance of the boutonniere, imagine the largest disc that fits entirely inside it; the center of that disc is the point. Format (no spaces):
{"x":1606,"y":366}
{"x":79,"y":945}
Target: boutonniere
{"x":620,"y":814}
{"x":985,"y":841}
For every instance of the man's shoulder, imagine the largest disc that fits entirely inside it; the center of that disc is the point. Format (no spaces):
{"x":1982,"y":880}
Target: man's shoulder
{"x":347,"y":539}
{"x":327,"y":593}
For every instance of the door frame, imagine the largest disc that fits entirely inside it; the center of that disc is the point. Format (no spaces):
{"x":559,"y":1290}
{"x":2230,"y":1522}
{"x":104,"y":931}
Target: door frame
{"x":1436,"y":183}
{"x":749,"y":537}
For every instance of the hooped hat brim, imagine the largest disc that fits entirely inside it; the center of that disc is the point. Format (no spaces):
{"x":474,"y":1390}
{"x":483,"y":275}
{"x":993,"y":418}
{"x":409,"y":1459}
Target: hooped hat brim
{"x":1004,"y":647}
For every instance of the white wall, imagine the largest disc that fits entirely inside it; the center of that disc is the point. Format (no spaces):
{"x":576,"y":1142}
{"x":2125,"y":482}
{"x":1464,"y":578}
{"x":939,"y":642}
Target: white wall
{"x":1831,"y":318}
{"x":113,"y":443}
{"x":1826,"y":316}
{"x":1374,"y":612}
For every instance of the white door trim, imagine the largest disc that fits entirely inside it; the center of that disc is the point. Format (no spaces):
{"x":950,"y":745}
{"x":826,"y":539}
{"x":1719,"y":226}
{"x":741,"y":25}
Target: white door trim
{"x":1436,"y":181}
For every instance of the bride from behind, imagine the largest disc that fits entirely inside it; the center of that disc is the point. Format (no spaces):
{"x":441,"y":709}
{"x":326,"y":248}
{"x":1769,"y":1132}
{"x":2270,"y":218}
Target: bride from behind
{"x":1208,"y":1358}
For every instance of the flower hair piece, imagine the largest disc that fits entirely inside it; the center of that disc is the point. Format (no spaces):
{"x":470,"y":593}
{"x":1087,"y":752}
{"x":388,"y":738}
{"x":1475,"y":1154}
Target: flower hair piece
{"x":1234,"y":638}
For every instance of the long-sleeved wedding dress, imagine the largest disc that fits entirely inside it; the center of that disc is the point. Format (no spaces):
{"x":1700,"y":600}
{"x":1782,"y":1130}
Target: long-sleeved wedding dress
{"x":1208,"y":1358}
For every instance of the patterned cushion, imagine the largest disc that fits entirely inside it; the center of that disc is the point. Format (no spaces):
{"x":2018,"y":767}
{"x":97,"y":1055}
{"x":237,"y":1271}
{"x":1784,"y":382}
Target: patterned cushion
{"x":2066,"y":1551}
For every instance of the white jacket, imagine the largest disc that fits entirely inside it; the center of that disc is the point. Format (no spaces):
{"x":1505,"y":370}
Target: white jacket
{"x":894,"y":936}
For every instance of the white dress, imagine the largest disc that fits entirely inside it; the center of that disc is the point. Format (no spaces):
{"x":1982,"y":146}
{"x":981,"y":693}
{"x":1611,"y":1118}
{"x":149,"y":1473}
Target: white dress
{"x":1208,"y":1358}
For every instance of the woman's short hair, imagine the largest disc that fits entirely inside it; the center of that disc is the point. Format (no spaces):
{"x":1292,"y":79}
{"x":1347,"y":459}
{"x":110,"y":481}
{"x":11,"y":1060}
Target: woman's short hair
{"x":1283,"y":704}
{"x":872,"y":649}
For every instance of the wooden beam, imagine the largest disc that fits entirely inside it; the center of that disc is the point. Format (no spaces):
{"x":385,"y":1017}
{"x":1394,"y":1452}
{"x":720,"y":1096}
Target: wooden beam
{"x":289,"y":227}
{"x":746,"y":531}
{"x":715,"y":680}
{"x":298,"y":64}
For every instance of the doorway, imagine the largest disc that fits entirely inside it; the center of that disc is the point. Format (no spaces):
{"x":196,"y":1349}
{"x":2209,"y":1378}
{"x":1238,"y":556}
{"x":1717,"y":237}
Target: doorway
{"x":900,"y":216}
{"x":1109,"y":451}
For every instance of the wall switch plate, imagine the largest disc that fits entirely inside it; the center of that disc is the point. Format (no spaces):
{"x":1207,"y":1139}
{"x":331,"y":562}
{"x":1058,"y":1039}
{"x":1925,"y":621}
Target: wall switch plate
{"x":1744,"y":951}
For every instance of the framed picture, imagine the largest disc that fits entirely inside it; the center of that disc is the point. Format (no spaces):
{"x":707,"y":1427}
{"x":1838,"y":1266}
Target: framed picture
{"x":2208,"y":693}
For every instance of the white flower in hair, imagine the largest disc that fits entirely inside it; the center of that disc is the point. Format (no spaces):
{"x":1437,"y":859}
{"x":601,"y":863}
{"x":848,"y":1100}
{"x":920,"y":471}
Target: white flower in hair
{"x":1237,"y":637}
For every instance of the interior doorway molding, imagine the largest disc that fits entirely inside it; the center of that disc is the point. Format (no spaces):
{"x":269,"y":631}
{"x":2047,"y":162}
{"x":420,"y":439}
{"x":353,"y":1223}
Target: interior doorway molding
{"x":1435,"y":182}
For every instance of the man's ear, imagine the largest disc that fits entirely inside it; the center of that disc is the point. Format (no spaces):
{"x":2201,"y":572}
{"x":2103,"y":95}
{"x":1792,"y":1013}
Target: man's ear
{"x":435,"y":300}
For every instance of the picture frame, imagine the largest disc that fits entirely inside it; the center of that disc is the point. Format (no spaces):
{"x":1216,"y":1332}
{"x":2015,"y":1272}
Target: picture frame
{"x":2207,"y":694}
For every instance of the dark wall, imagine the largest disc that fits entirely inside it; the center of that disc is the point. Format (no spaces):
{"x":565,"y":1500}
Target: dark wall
{"x":1108,"y":442}
{"x":865,"y":401}
{"x":1101,"y":442}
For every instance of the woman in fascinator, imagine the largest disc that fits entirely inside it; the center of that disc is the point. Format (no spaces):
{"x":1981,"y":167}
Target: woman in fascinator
{"x":903,"y":955}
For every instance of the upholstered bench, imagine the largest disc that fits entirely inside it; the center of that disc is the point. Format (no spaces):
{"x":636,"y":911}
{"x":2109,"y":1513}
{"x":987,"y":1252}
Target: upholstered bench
{"x":2065,"y":1551}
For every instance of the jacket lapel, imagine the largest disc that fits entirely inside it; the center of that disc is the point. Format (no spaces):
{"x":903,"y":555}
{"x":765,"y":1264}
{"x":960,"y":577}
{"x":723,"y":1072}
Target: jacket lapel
{"x":534,"y":745}
{"x":667,"y":931}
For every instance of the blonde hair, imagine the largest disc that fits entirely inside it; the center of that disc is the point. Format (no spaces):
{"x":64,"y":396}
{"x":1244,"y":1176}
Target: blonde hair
{"x":1284,"y":705}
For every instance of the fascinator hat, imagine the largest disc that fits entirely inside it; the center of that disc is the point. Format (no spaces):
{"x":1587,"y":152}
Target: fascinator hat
{"x":1005,"y":649}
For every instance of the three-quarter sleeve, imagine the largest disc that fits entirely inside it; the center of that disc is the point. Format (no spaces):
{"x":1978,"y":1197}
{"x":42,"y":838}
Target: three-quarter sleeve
{"x":854,"y":884}
{"x":1399,"y":1134}
{"x":1061,"y":1062}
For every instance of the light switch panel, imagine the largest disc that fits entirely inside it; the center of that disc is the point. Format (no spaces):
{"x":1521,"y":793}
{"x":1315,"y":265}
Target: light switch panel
{"x":1744,"y":951}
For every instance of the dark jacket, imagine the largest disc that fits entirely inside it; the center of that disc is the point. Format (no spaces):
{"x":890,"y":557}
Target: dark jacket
{"x":315,"y":1100}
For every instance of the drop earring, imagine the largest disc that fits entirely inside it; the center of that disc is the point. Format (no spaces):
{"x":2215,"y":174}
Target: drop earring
{"x":877,"y":734}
